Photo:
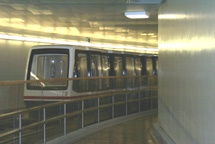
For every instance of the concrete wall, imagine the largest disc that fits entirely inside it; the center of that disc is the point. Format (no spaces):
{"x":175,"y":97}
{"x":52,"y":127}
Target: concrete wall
{"x":187,"y":70}
{"x":13,"y":58}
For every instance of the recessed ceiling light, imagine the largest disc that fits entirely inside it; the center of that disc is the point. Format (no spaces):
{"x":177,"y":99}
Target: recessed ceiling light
{"x":136,"y":15}
{"x":144,"y":34}
{"x":150,"y":34}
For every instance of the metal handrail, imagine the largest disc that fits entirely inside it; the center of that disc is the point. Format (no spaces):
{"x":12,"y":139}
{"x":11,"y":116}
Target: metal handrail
{"x":69,"y":115}
{"x":66,"y":79}
{"x":69,"y":101}
{"x":65,"y":115}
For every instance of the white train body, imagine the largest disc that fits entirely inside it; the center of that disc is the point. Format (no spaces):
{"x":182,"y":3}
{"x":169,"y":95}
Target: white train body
{"x":58,"y":62}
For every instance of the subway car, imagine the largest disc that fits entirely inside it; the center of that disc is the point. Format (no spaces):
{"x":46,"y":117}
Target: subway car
{"x":62,"y":62}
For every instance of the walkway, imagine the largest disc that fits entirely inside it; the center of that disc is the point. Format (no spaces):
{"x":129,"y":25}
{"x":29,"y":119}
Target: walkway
{"x":131,"y":132}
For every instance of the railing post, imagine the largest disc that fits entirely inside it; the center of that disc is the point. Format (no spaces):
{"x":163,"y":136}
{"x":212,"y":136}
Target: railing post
{"x":64,"y":119}
{"x":126,"y":104}
{"x":139,"y":100}
{"x":39,"y":118}
{"x":150,"y":90}
{"x":14,"y":126}
{"x":112,"y":106}
{"x":44,"y":125}
{"x":20,"y":128}
{"x":151,"y":99}
{"x":98,"y":110}
{"x":82,"y":113}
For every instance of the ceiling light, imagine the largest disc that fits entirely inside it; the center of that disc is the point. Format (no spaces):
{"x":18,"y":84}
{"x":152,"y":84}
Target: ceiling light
{"x":150,"y":34}
{"x":144,"y":34}
{"x":144,"y":1}
{"x":172,"y":16}
{"x":136,"y":15}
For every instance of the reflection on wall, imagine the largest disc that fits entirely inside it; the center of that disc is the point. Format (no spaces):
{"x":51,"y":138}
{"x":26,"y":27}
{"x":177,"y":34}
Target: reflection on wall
{"x":11,"y":98}
{"x":186,"y":70}
{"x":13,"y":58}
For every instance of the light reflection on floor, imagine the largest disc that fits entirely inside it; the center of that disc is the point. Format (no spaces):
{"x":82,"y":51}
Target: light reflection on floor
{"x":130,"y":132}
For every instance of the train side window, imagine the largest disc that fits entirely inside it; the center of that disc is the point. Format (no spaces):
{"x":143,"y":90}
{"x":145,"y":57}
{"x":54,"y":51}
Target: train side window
{"x":138,"y":66}
{"x":149,"y":66}
{"x":82,"y":65}
{"x":118,"y":66}
{"x":129,"y":66}
{"x":106,"y":71}
{"x":157,"y":66}
{"x":95,"y":65}
{"x":105,"y":66}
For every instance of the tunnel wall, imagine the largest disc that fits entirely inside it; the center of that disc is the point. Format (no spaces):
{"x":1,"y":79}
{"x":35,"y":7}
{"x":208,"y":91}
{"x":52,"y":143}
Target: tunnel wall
{"x":186,"y":70}
{"x":13,"y":58}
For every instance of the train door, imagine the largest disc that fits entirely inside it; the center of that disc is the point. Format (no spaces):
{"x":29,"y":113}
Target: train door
{"x":116,"y":69}
{"x":96,"y":71}
{"x":138,"y":66}
{"x":154,"y":65}
{"x":138,"y":70}
{"x":129,"y":66}
{"x":81,"y":70}
{"x":105,"y":71}
{"x":118,"y":66}
{"x":130,"y":70}
{"x":149,"y":66}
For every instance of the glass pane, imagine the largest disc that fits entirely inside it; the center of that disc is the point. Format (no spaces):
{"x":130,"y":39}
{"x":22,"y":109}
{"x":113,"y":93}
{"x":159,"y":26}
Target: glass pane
{"x":138,"y":66}
{"x":118,"y":65}
{"x":82,"y":65}
{"x":81,"y":85}
{"x":105,"y":69}
{"x":129,"y":66}
{"x":105,"y":66}
{"x":157,"y":65}
{"x":149,"y":66}
{"x":95,"y":65}
{"x":49,"y":66}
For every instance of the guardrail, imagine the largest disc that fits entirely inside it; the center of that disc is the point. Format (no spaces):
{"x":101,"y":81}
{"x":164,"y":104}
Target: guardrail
{"x":38,"y":125}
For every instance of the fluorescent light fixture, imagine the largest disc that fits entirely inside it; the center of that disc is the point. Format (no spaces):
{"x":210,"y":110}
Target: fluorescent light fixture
{"x":144,"y":34}
{"x":44,"y":40}
{"x":144,"y":1}
{"x":150,"y":34}
{"x":172,"y":16}
{"x":136,"y":14}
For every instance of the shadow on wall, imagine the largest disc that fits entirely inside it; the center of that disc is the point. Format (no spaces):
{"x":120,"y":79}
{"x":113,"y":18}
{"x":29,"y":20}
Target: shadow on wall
{"x":11,"y":98}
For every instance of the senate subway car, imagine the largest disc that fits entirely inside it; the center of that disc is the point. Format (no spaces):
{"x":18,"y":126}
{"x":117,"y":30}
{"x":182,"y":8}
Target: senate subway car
{"x":61,"y":62}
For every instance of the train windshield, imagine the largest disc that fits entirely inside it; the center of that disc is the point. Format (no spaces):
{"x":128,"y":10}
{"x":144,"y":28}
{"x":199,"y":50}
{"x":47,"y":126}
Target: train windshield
{"x":48,"y":65}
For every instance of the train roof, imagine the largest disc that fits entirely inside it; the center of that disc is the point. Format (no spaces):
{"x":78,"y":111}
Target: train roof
{"x":89,"y":48}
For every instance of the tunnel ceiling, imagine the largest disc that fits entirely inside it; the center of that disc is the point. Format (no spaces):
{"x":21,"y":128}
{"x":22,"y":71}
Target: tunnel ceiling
{"x":100,"y":20}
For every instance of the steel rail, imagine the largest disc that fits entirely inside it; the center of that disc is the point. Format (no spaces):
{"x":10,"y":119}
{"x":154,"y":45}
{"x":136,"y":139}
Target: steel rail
{"x":70,"y":115}
{"x":67,"y":79}
{"x":73,"y":100}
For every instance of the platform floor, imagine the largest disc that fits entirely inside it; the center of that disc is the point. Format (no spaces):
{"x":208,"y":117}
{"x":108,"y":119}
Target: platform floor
{"x":131,"y":132}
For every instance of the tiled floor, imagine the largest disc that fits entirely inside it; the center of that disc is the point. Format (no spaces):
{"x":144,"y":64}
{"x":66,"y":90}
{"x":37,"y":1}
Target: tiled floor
{"x":130,"y":132}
